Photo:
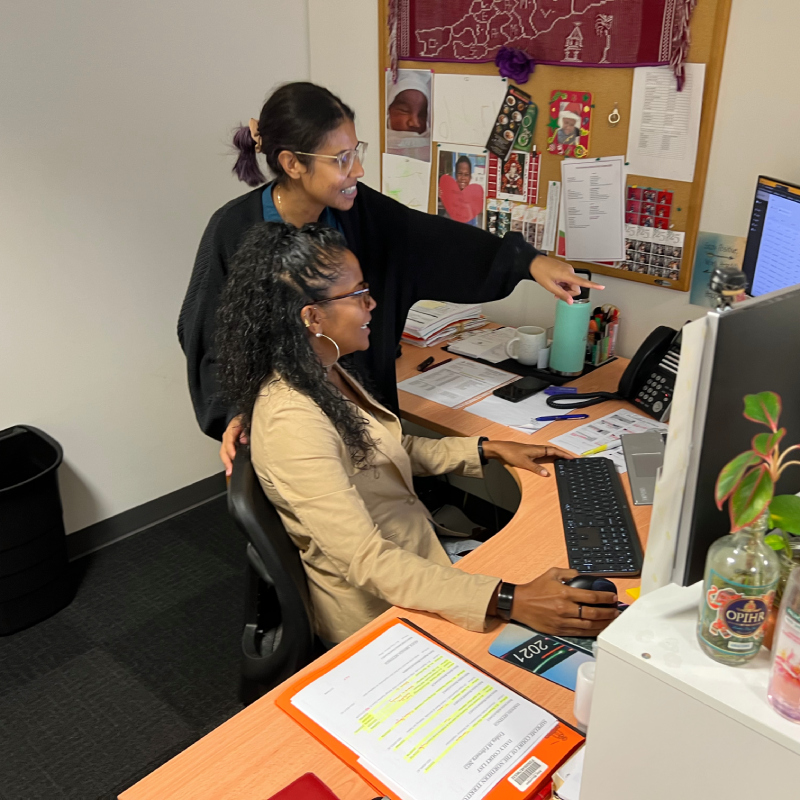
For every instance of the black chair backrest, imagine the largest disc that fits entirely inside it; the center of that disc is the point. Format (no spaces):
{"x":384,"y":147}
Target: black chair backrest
{"x":261,"y":524}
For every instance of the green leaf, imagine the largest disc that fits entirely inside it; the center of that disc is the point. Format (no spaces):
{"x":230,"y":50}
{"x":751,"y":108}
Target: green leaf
{"x":784,"y":513}
{"x":732,"y":473}
{"x":751,"y":497}
{"x":764,"y":443}
{"x":776,"y":542}
{"x":764,"y":407}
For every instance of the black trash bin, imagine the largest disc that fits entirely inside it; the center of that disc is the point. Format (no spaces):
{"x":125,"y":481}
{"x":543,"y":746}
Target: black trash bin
{"x":35,"y":579}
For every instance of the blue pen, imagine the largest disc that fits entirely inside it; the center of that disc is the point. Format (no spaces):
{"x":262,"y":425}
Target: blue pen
{"x":562,"y":416}
{"x":560,"y":390}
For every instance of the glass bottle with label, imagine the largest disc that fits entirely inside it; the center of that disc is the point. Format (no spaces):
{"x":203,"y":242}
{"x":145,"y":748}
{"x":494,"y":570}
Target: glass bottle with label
{"x":738,"y":589}
{"x":784,"y":680}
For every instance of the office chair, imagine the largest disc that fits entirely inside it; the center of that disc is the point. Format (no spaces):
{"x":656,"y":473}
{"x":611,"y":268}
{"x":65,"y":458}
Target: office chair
{"x":278,"y":637}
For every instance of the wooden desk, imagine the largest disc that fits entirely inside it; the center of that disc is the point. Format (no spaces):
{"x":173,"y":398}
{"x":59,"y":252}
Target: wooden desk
{"x":261,"y":750}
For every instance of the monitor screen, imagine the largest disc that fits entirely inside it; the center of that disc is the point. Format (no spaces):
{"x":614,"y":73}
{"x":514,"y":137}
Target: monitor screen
{"x":772,"y":253}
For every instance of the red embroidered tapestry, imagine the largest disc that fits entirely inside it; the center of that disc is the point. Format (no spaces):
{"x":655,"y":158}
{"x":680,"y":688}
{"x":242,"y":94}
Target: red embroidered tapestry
{"x":587,"y":33}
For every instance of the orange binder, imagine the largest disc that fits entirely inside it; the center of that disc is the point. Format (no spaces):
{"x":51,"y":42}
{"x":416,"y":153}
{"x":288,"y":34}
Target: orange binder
{"x":551,"y":751}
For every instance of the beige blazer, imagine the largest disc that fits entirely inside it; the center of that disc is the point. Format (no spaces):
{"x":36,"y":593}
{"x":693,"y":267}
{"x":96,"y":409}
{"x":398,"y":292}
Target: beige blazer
{"x":366,"y":540}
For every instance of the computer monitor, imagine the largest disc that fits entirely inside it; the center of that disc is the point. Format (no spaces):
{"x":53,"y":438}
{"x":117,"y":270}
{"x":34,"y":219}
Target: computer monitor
{"x":772,"y":253}
{"x":752,"y":347}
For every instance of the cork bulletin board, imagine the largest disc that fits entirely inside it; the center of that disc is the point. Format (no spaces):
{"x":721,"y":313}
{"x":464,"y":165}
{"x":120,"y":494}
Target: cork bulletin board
{"x":609,"y":87}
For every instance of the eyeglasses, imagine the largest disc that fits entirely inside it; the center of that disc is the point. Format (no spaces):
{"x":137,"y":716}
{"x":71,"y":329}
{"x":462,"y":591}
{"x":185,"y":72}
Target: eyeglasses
{"x":346,"y":159}
{"x":362,"y":293}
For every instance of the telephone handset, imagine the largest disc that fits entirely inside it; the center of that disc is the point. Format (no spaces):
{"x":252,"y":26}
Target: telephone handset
{"x":648,"y":381}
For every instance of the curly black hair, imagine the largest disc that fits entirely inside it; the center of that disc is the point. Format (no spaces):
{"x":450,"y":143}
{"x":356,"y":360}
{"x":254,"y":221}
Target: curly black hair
{"x":277,"y":271}
{"x":464,"y":160}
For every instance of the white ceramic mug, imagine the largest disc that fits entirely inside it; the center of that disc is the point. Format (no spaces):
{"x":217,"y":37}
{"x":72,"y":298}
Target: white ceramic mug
{"x":525,"y":346}
{"x":584,"y":689}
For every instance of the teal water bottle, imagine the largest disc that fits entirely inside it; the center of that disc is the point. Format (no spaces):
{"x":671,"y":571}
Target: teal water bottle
{"x":570,"y":332}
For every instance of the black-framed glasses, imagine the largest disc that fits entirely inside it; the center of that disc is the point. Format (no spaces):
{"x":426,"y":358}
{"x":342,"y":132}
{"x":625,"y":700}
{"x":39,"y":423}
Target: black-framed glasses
{"x":346,"y":159}
{"x":362,"y":293}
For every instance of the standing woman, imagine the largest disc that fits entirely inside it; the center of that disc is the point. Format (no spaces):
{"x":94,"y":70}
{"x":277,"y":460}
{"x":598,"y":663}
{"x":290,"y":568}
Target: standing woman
{"x":308,"y":138}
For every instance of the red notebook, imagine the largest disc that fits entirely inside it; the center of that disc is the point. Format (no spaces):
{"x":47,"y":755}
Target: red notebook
{"x":306,"y":787}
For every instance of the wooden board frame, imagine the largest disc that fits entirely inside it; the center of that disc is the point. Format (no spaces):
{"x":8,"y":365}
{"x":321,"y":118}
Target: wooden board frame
{"x":608,"y":86}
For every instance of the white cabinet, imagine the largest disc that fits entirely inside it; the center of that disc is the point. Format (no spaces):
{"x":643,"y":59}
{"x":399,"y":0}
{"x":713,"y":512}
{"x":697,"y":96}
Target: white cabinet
{"x":667,"y":722}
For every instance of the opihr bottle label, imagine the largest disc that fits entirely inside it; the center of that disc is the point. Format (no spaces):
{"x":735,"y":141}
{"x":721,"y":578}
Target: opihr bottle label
{"x":734,"y":615}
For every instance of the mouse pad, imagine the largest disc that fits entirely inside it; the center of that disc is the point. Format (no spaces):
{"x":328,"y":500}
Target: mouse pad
{"x":555,"y":658}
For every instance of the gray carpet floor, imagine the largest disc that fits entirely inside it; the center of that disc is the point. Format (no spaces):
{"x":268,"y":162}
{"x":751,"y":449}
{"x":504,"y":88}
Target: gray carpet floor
{"x":143,"y":662}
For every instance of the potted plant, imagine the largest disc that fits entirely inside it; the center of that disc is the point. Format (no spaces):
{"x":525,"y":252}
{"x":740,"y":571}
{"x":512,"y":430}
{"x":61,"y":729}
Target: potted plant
{"x":743,"y":570}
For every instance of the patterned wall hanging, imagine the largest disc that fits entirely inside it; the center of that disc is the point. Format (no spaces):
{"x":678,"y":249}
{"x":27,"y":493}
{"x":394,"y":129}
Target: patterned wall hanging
{"x":581,"y":34}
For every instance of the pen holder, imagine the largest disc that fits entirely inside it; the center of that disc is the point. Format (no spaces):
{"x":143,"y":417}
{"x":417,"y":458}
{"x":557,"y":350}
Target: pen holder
{"x":602,"y":347}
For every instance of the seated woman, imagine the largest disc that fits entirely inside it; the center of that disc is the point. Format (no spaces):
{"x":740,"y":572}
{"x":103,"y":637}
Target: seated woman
{"x":335,"y":462}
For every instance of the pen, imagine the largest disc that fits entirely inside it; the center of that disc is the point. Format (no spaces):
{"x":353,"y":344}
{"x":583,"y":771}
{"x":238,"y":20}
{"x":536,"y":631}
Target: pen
{"x":439,"y":364}
{"x":602,"y":448}
{"x":562,"y":416}
{"x":422,"y":366}
{"x":560,"y":390}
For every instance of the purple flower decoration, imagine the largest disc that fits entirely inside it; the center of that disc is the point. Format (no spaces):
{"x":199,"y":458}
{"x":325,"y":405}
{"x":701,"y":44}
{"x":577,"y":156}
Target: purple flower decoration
{"x":514,"y":64}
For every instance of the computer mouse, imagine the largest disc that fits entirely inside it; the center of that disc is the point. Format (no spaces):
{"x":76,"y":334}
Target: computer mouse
{"x":593,"y":584}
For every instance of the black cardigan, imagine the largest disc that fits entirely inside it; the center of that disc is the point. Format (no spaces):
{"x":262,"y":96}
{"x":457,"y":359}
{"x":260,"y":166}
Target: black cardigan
{"x":405,"y":256}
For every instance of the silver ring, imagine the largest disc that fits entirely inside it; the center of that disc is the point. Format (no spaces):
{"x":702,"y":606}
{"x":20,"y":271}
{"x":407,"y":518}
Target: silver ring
{"x":580,"y":611}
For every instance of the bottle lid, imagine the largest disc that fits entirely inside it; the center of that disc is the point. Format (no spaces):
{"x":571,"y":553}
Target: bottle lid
{"x":583,"y":297}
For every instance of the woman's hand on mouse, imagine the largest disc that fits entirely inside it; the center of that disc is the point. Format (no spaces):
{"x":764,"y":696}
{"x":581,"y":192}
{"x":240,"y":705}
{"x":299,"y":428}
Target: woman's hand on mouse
{"x":559,"y":278}
{"x":233,"y":434}
{"x":548,"y":605}
{"x":524,"y":456}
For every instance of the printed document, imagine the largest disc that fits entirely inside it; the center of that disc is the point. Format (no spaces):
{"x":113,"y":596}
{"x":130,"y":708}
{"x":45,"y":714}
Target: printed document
{"x":594,"y":202}
{"x":607,"y":431}
{"x":456,"y":383}
{"x":665,"y":123}
{"x":553,"y":205}
{"x":520,"y":416}
{"x":426,"y":722}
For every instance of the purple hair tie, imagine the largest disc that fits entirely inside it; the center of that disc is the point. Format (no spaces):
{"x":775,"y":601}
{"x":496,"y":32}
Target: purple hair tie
{"x":246,"y":167}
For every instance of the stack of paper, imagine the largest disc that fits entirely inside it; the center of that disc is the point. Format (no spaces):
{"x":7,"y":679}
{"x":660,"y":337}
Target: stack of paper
{"x":456,"y":383}
{"x":431,"y":321}
{"x":425,"y":723}
{"x":486,"y":345}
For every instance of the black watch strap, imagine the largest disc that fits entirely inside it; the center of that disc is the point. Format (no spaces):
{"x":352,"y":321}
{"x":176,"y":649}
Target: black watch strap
{"x":505,"y":600}
{"x":481,"y":440}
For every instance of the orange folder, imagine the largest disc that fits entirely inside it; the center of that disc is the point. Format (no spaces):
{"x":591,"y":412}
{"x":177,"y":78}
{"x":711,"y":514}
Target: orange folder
{"x":552,"y":750}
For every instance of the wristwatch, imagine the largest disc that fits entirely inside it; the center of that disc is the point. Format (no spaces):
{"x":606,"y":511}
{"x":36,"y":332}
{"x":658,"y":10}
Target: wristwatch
{"x":484,"y":460}
{"x":505,"y":599}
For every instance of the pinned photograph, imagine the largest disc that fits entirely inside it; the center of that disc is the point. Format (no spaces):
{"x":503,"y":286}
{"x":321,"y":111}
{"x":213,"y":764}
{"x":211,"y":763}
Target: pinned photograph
{"x":570,"y":122}
{"x":462,"y":183}
{"x":569,"y":126}
{"x":408,"y":113}
{"x":514,"y":178}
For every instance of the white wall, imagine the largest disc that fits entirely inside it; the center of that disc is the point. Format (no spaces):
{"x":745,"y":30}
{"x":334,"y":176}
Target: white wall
{"x":759,"y":79}
{"x":343,"y":53}
{"x":115,"y":119}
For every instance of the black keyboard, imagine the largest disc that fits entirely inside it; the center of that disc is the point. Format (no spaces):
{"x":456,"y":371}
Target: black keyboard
{"x":598,"y":527}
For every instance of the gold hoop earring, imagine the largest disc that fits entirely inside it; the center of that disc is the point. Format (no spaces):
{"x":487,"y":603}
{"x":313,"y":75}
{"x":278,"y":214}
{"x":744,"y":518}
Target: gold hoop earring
{"x":338,"y":352}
